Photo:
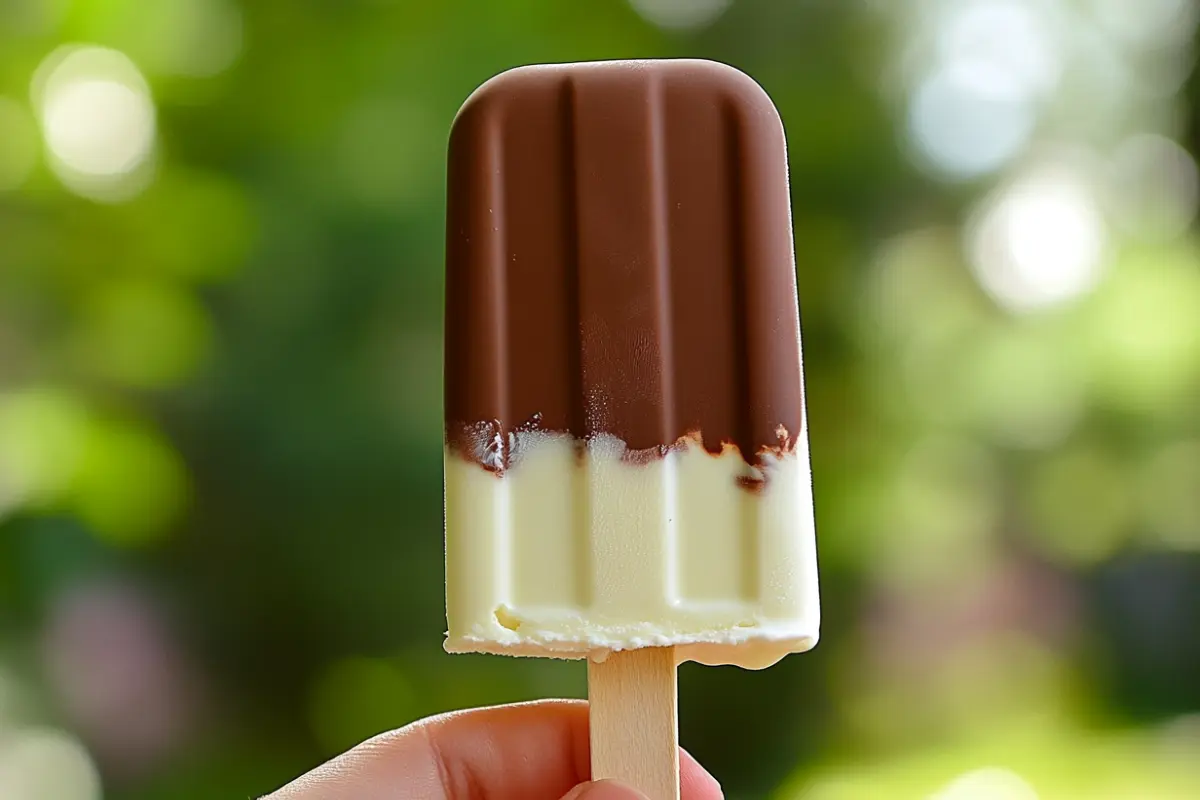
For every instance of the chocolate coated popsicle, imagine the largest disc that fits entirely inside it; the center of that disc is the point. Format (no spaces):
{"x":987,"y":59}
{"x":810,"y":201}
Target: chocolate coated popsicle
{"x":626,"y":458}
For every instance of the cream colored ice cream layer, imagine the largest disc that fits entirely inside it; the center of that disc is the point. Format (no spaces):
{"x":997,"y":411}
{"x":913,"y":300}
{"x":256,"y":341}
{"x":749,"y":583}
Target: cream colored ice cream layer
{"x":572,"y":555}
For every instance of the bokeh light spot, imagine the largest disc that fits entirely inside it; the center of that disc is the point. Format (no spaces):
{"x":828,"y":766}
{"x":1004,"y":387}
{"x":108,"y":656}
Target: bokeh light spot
{"x":969,"y":118}
{"x":46,"y":764}
{"x":1154,"y":187}
{"x":98,"y":127}
{"x":98,"y":121}
{"x":1039,"y":242}
{"x":1012,"y":35}
{"x":41,"y":437}
{"x":131,"y":485}
{"x":1141,"y":330}
{"x":680,"y":14}
{"x":990,"y":783}
{"x":145,"y":334}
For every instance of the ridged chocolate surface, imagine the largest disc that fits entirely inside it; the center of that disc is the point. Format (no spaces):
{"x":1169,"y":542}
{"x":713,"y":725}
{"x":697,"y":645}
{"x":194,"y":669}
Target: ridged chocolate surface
{"x":619,"y":259}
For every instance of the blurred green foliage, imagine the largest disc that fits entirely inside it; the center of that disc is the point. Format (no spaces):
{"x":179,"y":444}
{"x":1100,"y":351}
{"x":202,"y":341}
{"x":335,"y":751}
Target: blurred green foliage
{"x":220,"y":432}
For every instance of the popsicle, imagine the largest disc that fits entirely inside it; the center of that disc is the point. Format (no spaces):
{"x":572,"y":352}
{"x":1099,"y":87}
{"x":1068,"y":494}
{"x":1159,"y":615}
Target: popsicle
{"x":626,"y":459}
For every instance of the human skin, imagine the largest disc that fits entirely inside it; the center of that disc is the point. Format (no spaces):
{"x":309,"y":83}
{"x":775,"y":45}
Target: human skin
{"x":527,"y":751}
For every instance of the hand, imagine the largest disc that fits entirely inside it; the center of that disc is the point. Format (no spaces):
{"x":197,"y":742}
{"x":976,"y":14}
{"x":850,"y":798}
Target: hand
{"x":529,"y":751}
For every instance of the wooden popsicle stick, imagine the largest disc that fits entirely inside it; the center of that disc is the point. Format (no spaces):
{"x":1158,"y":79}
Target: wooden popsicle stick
{"x":634,"y":720}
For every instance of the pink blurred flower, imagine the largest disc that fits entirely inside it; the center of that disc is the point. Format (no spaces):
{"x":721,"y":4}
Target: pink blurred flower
{"x":119,"y":675}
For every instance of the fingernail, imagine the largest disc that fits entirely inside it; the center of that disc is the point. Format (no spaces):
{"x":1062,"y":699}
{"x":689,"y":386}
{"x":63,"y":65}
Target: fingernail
{"x":696,"y":780}
{"x":603,"y":790}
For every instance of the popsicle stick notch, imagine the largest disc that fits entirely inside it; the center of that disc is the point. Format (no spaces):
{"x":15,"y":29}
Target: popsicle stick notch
{"x":634,"y":720}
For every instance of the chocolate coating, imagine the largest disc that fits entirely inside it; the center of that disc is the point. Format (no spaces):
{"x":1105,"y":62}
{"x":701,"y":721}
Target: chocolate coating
{"x":619,"y":259}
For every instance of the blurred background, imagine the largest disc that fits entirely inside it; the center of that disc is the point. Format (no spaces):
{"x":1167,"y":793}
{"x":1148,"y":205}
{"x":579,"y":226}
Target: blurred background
{"x":220,"y":427}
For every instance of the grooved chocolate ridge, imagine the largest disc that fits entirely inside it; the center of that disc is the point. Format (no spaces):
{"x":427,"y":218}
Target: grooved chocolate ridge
{"x":619,"y":260}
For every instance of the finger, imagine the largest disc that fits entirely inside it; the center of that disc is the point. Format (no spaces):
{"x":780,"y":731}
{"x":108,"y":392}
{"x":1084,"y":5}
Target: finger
{"x":527,"y":751}
{"x":534,"y":751}
{"x":695,"y":782}
{"x":603,"y":790}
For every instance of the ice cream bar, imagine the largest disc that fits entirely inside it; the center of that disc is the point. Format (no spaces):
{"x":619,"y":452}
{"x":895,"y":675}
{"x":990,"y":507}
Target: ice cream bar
{"x":626,"y":459}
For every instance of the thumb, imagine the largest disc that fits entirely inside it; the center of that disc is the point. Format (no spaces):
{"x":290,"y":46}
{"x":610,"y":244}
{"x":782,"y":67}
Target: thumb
{"x":603,"y":790}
